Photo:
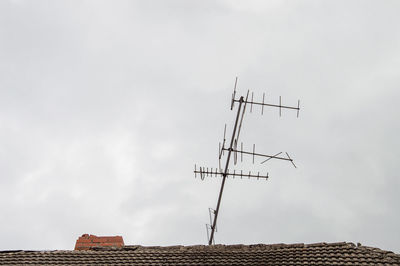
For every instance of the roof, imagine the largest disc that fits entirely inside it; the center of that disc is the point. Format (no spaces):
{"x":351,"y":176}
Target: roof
{"x":277,"y":254}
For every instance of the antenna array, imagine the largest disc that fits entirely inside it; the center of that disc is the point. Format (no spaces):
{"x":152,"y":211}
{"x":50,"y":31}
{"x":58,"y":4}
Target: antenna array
{"x":232,"y":148}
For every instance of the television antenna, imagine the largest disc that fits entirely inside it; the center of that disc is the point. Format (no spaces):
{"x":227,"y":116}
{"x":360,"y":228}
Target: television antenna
{"x":233,"y":148}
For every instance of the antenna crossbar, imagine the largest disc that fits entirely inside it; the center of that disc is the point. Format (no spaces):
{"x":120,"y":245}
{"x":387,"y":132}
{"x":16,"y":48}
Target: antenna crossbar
{"x":261,"y":155}
{"x":204,"y":173}
{"x":270,"y":104}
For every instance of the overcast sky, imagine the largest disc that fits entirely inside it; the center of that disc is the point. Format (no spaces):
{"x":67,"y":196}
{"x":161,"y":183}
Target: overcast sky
{"x":105,"y":107}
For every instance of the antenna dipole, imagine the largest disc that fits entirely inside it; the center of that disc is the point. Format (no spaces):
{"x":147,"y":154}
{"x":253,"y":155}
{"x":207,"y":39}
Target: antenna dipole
{"x":203,"y":171}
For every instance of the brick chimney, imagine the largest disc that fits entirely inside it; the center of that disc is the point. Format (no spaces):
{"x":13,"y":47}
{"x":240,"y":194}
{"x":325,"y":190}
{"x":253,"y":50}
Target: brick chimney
{"x":86,"y":241}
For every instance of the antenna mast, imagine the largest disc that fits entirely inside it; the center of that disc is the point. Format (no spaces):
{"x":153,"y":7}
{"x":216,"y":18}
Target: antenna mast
{"x":233,"y":148}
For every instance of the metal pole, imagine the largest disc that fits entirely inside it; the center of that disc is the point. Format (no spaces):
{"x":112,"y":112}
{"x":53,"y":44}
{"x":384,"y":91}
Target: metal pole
{"x":225,"y":174}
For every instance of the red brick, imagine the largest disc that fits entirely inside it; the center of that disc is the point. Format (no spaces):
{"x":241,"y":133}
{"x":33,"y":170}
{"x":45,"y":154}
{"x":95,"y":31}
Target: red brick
{"x":86,"y":241}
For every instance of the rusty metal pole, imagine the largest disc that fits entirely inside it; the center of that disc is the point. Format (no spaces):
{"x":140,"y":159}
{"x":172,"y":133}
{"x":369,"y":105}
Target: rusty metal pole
{"x":225,"y":173}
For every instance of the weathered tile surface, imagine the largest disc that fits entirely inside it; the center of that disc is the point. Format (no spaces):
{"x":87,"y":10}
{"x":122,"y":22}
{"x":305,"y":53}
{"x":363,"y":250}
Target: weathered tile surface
{"x":276,"y":254}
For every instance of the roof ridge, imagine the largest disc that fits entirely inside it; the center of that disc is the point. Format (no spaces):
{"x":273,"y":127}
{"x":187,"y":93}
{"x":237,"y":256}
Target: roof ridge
{"x":233,"y":246}
{"x":380,"y":252}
